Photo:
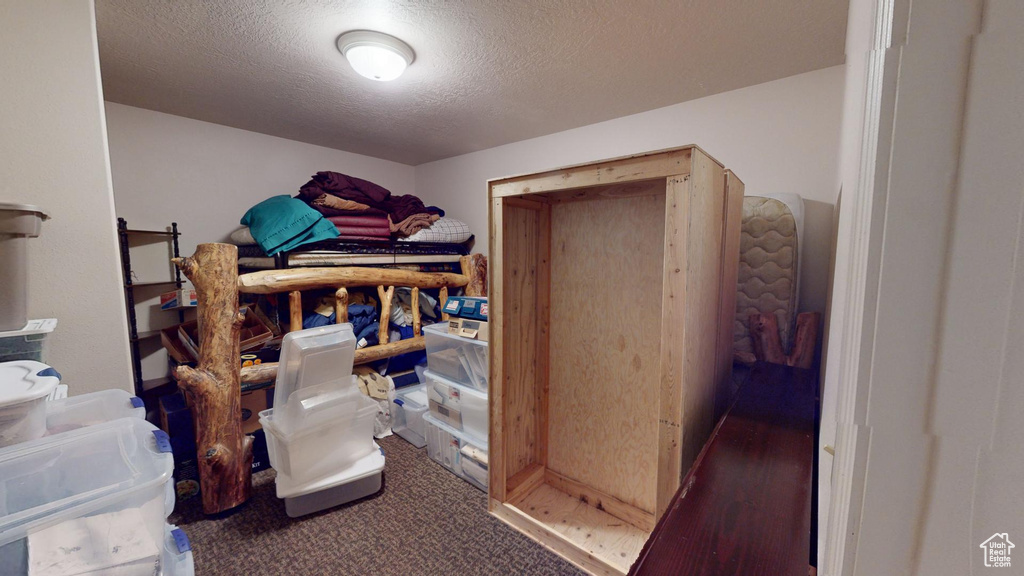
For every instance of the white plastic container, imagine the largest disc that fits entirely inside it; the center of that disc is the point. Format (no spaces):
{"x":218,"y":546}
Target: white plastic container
{"x":314,"y":357}
{"x":341,"y":435}
{"x":462,"y":360}
{"x":176,"y":559}
{"x":18,"y":223}
{"x":456,"y":451}
{"x":461,"y":407}
{"x":123,"y":466}
{"x":410,"y":406}
{"x":28,"y":343}
{"x":361,"y":479}
{"x":91,"y":409}
{"x":24,"y":386}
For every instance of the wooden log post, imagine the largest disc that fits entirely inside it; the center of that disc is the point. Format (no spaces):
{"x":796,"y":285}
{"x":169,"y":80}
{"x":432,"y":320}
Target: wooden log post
{"x":806,"y":341}
{"x":341,"y":306}
{"x":295,"y":310}
{"x":224,"y":452}
{"x":416,"y":321}
{"x":385,"y":312}
{"x":764,"y":336}
{"x":474,"y":267}
{"x":442,"y":298}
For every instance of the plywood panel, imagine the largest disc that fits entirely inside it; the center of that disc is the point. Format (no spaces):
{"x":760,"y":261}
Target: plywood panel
{"x":596,"y":533}
{"x":521,"y":243}
{"x":617,"y":171}
{"x":670,"y":384}
{"x":496,"y":294}
{"x":606,"y":276}
{"x":703,"y":281}
{"x":733,"y":198}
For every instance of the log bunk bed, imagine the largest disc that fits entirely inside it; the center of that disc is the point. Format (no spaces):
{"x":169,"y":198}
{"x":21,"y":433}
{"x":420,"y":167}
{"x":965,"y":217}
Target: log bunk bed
{"x":214,"y":386}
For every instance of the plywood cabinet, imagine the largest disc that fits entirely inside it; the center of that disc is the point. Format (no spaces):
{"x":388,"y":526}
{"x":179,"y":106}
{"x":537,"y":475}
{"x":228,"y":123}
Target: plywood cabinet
{"x":611,"y":301}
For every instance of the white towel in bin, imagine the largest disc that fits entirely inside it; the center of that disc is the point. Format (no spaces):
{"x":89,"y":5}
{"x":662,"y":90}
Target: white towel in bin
{"x":114,"y":544}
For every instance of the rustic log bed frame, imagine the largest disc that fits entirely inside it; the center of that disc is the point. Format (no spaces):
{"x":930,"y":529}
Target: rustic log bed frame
{"x":214,"y":386}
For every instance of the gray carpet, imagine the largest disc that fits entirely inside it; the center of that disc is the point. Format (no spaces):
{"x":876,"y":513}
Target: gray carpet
{"x":424,"y":521}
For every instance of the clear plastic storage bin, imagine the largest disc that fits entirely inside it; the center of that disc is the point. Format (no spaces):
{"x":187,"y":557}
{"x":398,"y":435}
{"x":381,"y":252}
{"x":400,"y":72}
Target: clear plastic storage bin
{"x":29,"y":343}
{"x":109,"y":484}
{"x":314,"y":357}
{"x":24,"y":386}
{"x":461,"y":407}
{"x":456,"y":451}
{"x":462,"y":360}
{"x":176,"y":559}
{"x":361,"y":479}
{"x":411,"y":405}
{"x":334,"y":442}
{"x":91,"y":409}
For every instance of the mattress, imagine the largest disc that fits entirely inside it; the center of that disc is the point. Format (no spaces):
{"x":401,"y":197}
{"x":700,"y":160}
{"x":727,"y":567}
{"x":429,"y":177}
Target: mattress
{"x":769,"y":269}
{"x":354,"y":253}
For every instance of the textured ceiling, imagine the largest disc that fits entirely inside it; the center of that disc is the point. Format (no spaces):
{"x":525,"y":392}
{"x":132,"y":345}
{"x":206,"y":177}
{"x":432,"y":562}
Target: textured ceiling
{"x":487,"y":72}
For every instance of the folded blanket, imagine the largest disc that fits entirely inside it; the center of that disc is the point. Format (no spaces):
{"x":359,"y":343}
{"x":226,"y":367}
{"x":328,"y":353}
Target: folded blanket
{"x":364,"y":231}
{"x":337,"y":203}
{"x":413,"y":224}
{"x":357,"y":237}
{"x":370,"y":221}
{"x":360,"y":191}
{"x":282,"y":223}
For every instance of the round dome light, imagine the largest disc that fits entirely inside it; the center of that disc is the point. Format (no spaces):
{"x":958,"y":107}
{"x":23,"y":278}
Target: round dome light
{"x":375,"y":55}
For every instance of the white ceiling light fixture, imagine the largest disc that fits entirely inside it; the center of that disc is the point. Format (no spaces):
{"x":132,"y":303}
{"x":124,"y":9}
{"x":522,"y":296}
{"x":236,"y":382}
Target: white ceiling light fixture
{"x":375,"y":55}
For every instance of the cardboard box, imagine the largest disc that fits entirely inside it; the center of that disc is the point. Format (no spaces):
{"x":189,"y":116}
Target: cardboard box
{"x":447,"y":414}
{"x":254,"y":333}
{"x":175,"y":349}
{"x":181,"y":298}
{"x":471,"y":307}
{"x":254,"y":402}
{"x":473,"y":329}
{"x":176,"y":420}
{"x":260,"y":455}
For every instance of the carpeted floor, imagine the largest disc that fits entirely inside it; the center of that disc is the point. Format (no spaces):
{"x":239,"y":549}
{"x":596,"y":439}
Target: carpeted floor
{"x":425,"y":521}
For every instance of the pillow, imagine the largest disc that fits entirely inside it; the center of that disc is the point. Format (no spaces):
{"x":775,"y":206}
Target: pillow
{"x":281,"y":223}
{"x":445,"y":230}
{"x":242,"y":237}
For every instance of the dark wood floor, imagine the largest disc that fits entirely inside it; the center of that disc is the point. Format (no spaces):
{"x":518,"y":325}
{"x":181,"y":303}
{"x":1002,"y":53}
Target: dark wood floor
{"x":745,"y":506}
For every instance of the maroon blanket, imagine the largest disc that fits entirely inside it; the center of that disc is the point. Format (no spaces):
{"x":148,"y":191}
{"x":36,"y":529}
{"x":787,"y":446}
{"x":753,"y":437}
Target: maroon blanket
{"x":368,"y":221}
{"x":364,"y":231}
{"x":362,"y":191}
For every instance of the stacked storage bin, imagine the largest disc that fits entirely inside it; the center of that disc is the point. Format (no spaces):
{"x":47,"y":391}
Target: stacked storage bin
{"x":456,"y":426}
{"x":412,"y":405}
{"x":93,"y":500}
{"x":86,"y":472}
{"x":320,"y":430}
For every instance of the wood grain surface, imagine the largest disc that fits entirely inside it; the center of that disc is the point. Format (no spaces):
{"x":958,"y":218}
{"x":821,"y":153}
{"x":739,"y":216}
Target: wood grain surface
{"x":745,"y":506}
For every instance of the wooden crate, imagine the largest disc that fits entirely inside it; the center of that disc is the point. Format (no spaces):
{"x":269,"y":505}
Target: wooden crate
{"x":611,"y":331}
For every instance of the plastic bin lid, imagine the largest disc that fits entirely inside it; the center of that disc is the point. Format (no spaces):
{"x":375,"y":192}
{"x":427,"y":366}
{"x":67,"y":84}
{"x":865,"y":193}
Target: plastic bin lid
{"x":25,"y":380}
{"x":13,"y":207}
{"x":312,"y":357}
{"x":92,"y":408}
{"x":33,"y":328}
{"x":70,"y":475}
{"x":372,"y":463}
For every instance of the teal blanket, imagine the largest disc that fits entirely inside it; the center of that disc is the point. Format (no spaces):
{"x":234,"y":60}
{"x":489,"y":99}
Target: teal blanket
{"x":282,"y":223}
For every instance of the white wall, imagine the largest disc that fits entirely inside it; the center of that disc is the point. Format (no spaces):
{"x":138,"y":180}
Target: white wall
{"x":930,"y":305}
{"x":781,"y":136}
{"x":53,"y":153}
{"x":204,"y":177}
